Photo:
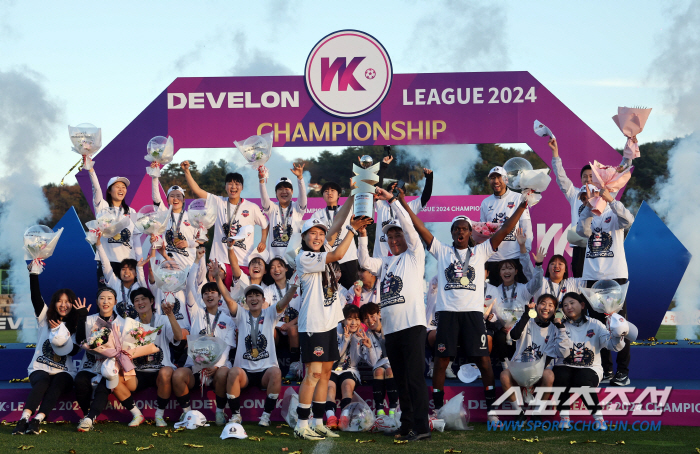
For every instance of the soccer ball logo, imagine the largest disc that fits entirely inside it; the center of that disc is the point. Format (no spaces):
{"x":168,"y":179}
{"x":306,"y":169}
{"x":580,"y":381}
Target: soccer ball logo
{"x":370,"y":73}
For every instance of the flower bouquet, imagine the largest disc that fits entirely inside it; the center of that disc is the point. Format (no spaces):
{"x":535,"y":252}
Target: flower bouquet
{"x":39,"y":244}
{"x":98,"y":338}
{"x":523,"y":178}
{"x":152,"y":221}
{"x":205,"y":351}
{"x":528,"y":371}
{"x":508,"y":313}
{"x":256,"y":149}
{"x":160,"y":150}
{"x":109,"y":222}
{"x":610,"y":178}
{"x":136,"y":335}
{"x":170,"y":277}
{"x":87,"y":140}
{"x":631,"y":121}
{"x":202,"y":216}
{"x":482,"y":231}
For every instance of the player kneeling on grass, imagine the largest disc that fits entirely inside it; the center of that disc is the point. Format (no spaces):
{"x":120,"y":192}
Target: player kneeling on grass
{"x":156,"y":370}
{"x":212,"y":322}
{"x":381,"y":369}
{"x":353,"y":346}
{"x":256,"y":357}
{"x":535,"y":338}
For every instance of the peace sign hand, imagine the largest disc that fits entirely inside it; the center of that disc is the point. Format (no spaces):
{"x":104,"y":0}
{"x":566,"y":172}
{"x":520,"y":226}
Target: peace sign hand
{"x":364,"y":340}
{"x":346,"y":332}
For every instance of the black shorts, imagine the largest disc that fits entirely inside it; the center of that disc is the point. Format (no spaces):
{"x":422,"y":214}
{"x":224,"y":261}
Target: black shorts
{"x":321,"y":347}
{"x":467,"y":329}
{"x":338,"y":379}
{"x":146,"y":380}
{"x":255,"y":378}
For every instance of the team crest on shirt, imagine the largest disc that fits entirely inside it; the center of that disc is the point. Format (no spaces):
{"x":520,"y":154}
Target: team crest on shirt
{"x":50,"y":358}
{"x":170,"y":243}
{"x":501,"y":217}
{"x":123,"y":237}
{"x":318,"y":351}
{"x":277,"y":232}
{"x":580,"y":355}
{"x":590,"y":333}
{"x":441,"y":348}
{"x":599,"y":244}
{"x":511,"y":204}
{"x":454,"y":274}
{"x":245,"y":213}
{"x":391,"y":291}
{"x":608,"y":219}
{"x":261,"y":352}
{"x":222,"y":325}
{"x":152,"y":361}
{"x":125,"y":310}
{"x":532,"y":350}
{"x":546,"y":339}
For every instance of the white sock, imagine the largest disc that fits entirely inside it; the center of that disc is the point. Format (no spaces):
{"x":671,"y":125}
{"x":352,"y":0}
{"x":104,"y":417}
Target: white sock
{"x":345,"y":412}
{"x":186,"y":409}
{"x":26,"y":414}
{"x":302,"y":423}
{"x":318,"y":422}
{"x":135,"y":411}
{"x":40,"y":417}
{"x":160,"y":412}
{"x":230,"y":396}
{"x":329,"y":413}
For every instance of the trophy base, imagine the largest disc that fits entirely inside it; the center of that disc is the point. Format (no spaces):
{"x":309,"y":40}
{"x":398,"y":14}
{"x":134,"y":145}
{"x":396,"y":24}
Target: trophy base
{"x":364,"y":205}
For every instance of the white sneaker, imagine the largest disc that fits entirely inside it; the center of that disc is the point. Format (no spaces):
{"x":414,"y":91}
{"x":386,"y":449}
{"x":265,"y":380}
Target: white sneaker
{"x":493,"y":419}
{"x":307,"y":433}
{"x":264,"y":419}
{"x":137,"y":420}
{"x":160,"y":421}
{"x":324,"y":431}
{"x":236,"y":417}
{"x":448,"y":372}
{"x":599,"y":424}
{"x":565,"y":423}
{"x":220,"y":418}
{"x":85,"y":425}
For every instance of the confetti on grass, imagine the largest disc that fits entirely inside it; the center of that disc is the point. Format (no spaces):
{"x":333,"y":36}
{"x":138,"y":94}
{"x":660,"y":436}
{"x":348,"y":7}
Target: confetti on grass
{"x":527,"y":440}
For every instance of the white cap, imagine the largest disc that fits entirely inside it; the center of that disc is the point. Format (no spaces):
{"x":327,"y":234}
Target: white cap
{"x":622,"y":328}
{"x":265,"y":256}
{"x":468,"y":373}
{"x":394,"y":223}
{"x":192,"y":420}
{"x":499,"y":170}
{"x":60,"y":340}
{"x":110,"y":372}
{"x":313,"y":222}
{"x":590,"y":187}
{"x":176,"y":188}
{"x":244,"y":232}
{"x":115,"y":179}
{"x":462,"y":217}
{"x":253,"y":287}
{"x":234,"y":430}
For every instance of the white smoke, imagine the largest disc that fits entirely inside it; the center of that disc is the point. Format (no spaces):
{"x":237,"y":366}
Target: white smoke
{"x":452,"y":166}
{"x":678,"y":66}
{"x":255,"y":62}
{"x":27,"y":117}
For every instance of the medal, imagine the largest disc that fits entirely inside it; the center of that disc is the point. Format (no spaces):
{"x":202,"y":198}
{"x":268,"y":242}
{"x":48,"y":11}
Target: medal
{"x":285,"y":238}
{"x":464,"y":280}
{"x":254,"y":353}
{"x":532,"y":313}
{"x":56,"y":358}
{"x":559,"y":315}
{"x":338,"y":369}
{"x":329,"y":292}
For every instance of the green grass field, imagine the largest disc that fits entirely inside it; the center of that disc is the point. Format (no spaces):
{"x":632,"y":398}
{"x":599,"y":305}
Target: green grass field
{"x":61,"y":438}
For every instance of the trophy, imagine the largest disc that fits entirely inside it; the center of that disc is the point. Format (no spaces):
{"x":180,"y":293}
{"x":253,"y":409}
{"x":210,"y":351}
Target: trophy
{"x":365,"y":178}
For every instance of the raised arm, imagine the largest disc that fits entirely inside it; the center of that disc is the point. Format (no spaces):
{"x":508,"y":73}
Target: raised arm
{"x":428,"y":188}
{"x":37,"y":299}
{"x":339,"y":220}
{"x":373,"y":264}
{"x":155,"y":189}
{"x":104,"y":261}
{"x":287,"y":298}
{"x":624,"y":217}
{"x":230,"y":302}
{"x":417,"y":223}
{"x":583,"y":228}
{"x":563,"y":181}
{"x":97,"y":199}
{"x":167,"y":309}
{"x":265,"y":201}
{"x":233,"y":261}
{"x":508,"y":226}
{"x":339,"y":252}
{"x":298,"y":170}
{"x":199,"y":192}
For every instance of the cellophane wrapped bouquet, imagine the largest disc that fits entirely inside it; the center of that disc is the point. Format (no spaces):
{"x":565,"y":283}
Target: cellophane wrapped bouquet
{"x":159,"y":150}
{"x":108,"y":222}
{"x":202,"y":216}
{"x":87,"y":140}
{"x":256,"y":150}
{"x":39,"y":244}
{"x":152,"y":221}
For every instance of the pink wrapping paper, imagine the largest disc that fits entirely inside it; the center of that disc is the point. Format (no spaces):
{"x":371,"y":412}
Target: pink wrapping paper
{"x":609,"y":178}
{"x":631,"y":122}
{"x":482,"y":231}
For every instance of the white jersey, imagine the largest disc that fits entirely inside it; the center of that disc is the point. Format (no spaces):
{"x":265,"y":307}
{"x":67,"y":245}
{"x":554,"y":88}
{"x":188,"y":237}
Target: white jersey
{"x":385,"y":214}
{"x":605,"y":251}
{"x":184,"y":314}
{"x":327,"y":216}
{"x":223,"y":329}
{"x":264,"y":356}
{"x":499,"y":209}
{"x":283,"y":221}
{"x":515,"y":296}
{"x":351,"y":353}
{"x":92,"y":362}
{"x":274,"y":294}
{"x":536,"y":341}
{"x":454,"y":293}
{"x":430,"y":303}
{"x":378,"y":349}
{"x":44,"y":357}
{"x":580,"y":344}
{"x":155,"y":361}
{"x":125,"y":244}
{"x":321,"y":307}
{"x":401,"y":277}
{"x":124,"y":306}
{"x":571,"y":193}
{"x":246,"y":213}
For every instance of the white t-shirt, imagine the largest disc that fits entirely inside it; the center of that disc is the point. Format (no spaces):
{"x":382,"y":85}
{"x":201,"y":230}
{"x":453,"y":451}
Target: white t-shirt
{"x":124,"y":306}
{"x":266,"y":355}
{"x":536,"y":341}
{"x":273,"y":295}
{"x":184,"y":314}
{"x":44,"y":357}
{"x":323,"y":214}
{"x":184,"y":257}
{"x":430,"y":303}
{"x":569,"y":190}
{"x":401,"y":277}
{"x":517,"y":295}
{"x":453,"y":295}
{"x":605,"y":250}
{"x":352,"y":352}
{"x":499,"y":209}
{"x":156,"y":361}
{"x":293,"y":214}
{"x":321,"y":308}
{"x":248,"y":214}
{"x":223,"y":329}
{"x":385,"y":213}
{"x":579,"y":346}
{"x":92,"y":362}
